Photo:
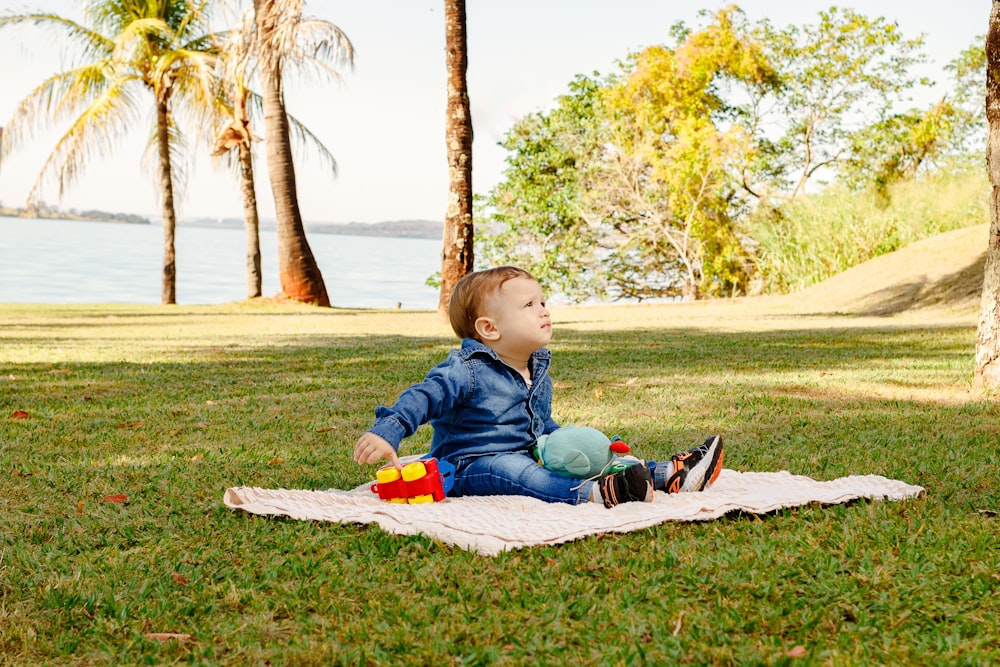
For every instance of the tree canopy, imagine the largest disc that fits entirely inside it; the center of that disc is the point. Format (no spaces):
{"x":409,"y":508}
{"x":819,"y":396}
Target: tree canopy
{"x":637,"y":184}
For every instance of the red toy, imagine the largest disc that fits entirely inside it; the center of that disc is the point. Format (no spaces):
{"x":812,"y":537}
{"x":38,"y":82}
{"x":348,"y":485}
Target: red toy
{"x":418,"y":482}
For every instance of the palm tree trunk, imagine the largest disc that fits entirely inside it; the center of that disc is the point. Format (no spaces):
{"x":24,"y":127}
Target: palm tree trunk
{"x":457,"y":251}
{"x":169,"y":289}
{"x":300,"y":277}
{"x":251,"y":220}
{"x":987,"y":371}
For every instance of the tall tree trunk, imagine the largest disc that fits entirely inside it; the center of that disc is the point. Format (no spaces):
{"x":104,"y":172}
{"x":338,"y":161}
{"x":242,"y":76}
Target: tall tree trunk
{"x":457,"y":251}
{"x":251,"y":220}
{"x":169,"y":290}
{"x":987,"y":373}
{"x":298,"y":271}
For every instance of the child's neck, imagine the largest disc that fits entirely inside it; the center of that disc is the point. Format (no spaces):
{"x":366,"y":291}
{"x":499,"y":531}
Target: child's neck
{"x":519,"y":366}
{"x":519,"y":360}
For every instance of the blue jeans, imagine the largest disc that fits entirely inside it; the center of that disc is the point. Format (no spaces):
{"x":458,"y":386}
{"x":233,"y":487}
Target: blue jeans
{"x":661,"y":472}
{"x":516,"y":474}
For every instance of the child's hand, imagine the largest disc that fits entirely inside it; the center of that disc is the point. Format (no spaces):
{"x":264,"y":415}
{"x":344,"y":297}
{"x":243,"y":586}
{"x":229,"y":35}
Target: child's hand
{"x":370,"y":448}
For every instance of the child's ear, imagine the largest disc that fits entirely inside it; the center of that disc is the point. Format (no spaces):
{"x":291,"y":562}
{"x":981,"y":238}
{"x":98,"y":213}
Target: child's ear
{"x":486,"y":329}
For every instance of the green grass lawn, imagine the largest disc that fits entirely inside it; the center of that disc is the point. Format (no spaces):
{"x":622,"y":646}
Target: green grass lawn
{"x":170,"y":406}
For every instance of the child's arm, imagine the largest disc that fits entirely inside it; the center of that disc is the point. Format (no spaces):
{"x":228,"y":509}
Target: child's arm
{"x":444,"y":385}
{"x":371,"y":448}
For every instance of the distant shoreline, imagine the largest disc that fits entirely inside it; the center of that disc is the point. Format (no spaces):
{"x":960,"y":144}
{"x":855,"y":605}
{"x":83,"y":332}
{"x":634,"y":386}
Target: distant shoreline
{"x":414,"y":229}
{"x":409,"y":229}
{"x":83,"y":216}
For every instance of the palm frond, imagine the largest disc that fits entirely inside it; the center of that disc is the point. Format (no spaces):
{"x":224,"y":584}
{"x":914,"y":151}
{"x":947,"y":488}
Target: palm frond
{"x":142,"y":41}
{"x":178,"y":163}
{"x":304,"y":137}
{"x":194,"y":20}
{"x":313,"y":47}
{"x":55,"y":99}
{"x":196,"y":89}
{"x":91,"y":42}
{"x":178,"y":157}
{"x":238,"y":49}
{"x":95,"y":132}
{"x":323,"y":41}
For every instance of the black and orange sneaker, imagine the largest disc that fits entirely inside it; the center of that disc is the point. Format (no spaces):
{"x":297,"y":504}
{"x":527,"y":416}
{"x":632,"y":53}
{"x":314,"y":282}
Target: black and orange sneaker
{"x":695,"y":469}
{"x":629,"y":485}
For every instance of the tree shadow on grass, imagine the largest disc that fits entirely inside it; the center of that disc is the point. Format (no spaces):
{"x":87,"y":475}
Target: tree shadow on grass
{"x":890,"y":400}
{"x":960,"y":287}
{"x":287,"y":415}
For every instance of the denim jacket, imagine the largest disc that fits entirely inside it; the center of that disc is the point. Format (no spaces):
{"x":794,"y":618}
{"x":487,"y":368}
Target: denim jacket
{"x":476,"y":404}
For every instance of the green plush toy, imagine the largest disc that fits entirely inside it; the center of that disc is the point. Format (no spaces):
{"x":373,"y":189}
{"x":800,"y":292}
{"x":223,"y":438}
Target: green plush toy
{"x":580,"y":452}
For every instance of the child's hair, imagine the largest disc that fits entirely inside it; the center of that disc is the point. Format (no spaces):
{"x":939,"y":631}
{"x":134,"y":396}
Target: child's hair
{"x":468,"y":297}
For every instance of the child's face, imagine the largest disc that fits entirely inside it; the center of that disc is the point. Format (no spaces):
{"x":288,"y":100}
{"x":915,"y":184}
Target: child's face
{"x":519,"y":317}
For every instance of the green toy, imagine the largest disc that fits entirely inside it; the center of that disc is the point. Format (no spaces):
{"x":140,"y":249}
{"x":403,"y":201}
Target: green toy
{"x":580,"y":452}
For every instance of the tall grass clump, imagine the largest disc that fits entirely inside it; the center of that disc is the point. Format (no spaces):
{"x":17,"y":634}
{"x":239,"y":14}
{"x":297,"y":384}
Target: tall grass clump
{"x":811,"y":239}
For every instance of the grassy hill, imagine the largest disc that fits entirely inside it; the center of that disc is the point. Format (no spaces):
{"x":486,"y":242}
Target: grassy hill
{"x":942,"y":271}
{"x":938,"y":279}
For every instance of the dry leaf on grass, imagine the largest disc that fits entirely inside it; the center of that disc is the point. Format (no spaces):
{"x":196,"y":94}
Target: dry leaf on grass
{"x":796,"y":652}
{"x":19,"y":414}
{"x":116,"y":498}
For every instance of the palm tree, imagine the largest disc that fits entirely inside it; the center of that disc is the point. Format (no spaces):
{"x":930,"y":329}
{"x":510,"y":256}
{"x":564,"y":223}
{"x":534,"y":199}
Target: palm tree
{"x":239,"y":103}
{"x":987,"y":371}
{"x":457,"y":251}
{"x":235,"y":135}
{"x":285,"y":37}
{"x":128,"y":47}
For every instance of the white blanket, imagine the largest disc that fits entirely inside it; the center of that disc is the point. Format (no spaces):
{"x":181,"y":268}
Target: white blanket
{"x":492,"y":524}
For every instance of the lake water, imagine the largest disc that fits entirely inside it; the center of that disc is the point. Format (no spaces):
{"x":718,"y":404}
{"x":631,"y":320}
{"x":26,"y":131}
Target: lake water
{"x":62,"y":261}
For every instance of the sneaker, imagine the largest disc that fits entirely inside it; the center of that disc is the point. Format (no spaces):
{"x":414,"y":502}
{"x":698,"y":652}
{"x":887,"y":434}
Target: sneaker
{"x":628,"y":485}
{"x":696,"y":469}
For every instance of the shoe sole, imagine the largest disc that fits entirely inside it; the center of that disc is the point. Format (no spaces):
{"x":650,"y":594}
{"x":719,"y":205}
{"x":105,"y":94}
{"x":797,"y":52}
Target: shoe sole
{"x":701,"y":476}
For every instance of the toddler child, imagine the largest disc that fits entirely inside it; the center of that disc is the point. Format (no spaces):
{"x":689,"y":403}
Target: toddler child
{"x":489,"y":401}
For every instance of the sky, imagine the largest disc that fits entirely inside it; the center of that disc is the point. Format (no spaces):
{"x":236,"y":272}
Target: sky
{"x":384,"y":121}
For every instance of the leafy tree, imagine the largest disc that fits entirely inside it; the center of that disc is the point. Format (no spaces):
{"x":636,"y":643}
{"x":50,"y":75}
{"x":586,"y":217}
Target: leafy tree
{"x":640,"y":189}
{"x":632,"y":179}
{"x":895,"y":148}
{"x":536,"y":217}
{"x":458,"y":254}
{"x":671,"y":189}
{"x":285,"y":37}
{"x":987,"y":370}
{"x":128,"y":47}
{"x":948,"y":132}
{"x":969,"y":127}
{"x":239,"y":105}
{"x":836,"y":76}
